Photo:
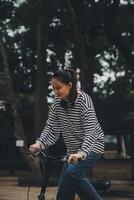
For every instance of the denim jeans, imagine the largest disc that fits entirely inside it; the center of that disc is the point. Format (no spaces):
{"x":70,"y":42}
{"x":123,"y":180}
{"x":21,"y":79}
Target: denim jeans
{"x":74,"y":180}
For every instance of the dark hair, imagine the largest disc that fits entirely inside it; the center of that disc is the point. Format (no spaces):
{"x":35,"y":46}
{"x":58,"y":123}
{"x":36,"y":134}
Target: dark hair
{"x":66,"y":76}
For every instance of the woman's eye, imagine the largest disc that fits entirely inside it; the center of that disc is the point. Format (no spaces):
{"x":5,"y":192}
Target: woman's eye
{"x":57,"y":88}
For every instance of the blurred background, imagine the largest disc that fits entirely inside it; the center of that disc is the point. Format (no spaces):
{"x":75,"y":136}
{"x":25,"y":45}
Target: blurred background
{"x":94,"y":37}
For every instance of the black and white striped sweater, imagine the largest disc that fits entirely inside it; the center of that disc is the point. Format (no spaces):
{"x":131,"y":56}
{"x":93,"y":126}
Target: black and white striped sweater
{"x":78,"y":125}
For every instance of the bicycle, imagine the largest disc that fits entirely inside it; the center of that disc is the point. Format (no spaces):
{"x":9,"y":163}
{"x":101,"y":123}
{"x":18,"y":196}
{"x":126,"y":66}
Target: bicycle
{"x":45,"y":165}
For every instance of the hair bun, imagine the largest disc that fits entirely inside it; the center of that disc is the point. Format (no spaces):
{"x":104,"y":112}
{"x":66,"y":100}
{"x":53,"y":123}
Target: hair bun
{"x":73,"y":75}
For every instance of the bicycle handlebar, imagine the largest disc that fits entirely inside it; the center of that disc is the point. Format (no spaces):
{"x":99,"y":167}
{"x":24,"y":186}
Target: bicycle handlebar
{"x":51,"y":157}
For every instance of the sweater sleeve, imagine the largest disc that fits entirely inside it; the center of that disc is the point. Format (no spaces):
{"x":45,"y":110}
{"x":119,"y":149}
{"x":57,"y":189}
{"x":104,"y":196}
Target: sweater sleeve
{"x":89,"y":121}
{"x":51,"y":132}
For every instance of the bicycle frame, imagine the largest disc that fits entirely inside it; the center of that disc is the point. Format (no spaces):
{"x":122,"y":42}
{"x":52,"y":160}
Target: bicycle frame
{"x":46,"y":166}
{"x":46,"y":161}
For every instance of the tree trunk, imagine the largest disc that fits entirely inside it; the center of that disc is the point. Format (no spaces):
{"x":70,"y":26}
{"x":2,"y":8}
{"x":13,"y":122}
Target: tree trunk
{"x":89,"y":78}
{"x":79,"y":40}
{"x":132,"y":155}
{"x":19,"y":130}
{"x":126,"y":53}
{"x":41,"y":105}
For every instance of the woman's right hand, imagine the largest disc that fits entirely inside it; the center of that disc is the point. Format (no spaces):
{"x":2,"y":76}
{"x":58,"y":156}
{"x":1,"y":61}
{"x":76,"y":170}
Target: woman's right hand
{"x":34,"y":148}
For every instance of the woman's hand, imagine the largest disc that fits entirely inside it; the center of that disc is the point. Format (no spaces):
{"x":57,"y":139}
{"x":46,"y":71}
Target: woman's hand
{"x":34,"y":148}
{"x":74,"y":158}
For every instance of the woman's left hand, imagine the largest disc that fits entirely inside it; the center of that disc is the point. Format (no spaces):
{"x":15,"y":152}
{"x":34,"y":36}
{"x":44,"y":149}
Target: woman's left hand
{"x":74,"y":158}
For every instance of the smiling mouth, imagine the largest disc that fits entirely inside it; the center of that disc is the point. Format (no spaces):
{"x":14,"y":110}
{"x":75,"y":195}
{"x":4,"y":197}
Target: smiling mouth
{"x":58,"y":95}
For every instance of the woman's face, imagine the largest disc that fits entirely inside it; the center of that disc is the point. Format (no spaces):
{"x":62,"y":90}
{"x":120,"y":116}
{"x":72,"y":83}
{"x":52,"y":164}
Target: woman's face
{"x":61,"y":90}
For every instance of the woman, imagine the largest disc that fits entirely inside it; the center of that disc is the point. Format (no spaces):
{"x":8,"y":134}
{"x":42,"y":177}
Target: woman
{"x":73,"y":116}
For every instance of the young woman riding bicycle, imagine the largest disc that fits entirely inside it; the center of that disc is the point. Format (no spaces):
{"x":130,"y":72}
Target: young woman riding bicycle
{"x":73,"y":116}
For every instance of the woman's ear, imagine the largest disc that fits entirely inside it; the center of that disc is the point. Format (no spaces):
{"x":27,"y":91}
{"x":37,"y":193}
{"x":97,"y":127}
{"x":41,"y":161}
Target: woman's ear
{"x":70,"y":85}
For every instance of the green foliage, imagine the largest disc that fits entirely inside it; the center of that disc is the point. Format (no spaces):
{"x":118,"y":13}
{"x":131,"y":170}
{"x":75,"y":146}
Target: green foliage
{"x":102,"y":48}
{"x":2,"y":86}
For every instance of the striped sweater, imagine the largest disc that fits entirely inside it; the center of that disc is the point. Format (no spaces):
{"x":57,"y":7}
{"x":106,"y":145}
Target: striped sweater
{"x":78,"y":125}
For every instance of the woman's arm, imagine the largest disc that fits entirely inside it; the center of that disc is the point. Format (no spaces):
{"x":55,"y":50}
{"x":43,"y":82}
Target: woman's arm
{"x":89,"y":121}
{"x":50,"y":133}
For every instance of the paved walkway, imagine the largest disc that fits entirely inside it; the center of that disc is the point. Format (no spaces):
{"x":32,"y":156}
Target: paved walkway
{"x":9,"y":190}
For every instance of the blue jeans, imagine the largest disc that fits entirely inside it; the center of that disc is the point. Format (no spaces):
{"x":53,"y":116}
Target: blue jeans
{"x":74,"y":180}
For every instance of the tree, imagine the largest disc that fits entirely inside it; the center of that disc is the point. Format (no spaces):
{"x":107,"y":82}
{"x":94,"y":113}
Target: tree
{"x":56,"y":34}
{"x":19,"y":132}
{"x":41,"y":105}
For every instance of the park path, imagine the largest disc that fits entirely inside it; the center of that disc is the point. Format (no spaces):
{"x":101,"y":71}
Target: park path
{"x":9,"y":190}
